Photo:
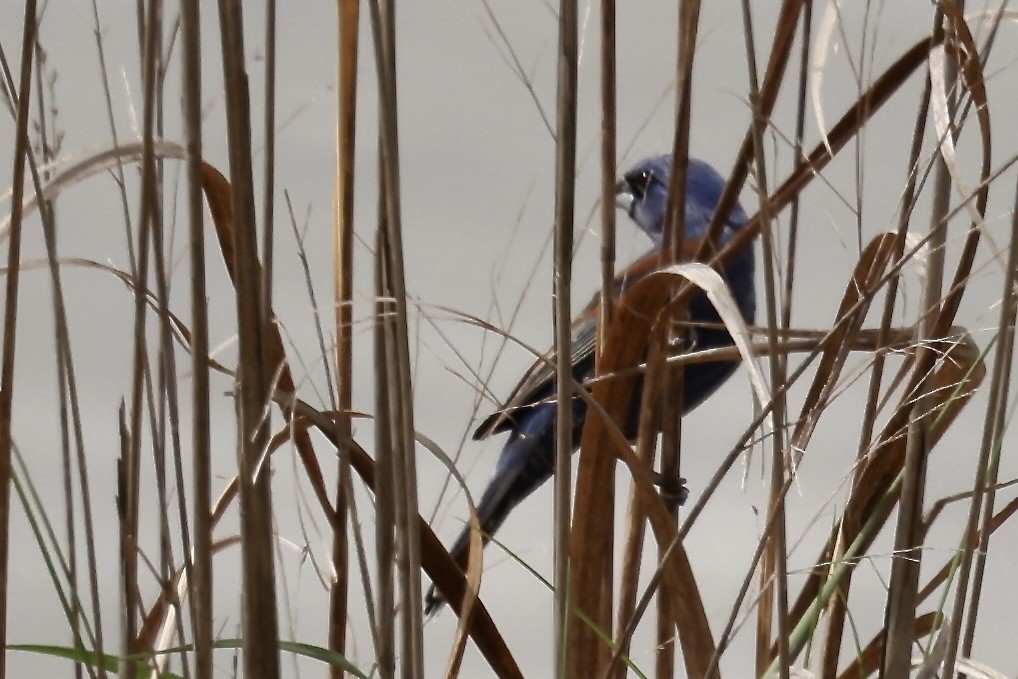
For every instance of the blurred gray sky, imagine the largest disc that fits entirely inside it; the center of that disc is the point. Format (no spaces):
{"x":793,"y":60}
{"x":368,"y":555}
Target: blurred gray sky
{"x":477,"y":176}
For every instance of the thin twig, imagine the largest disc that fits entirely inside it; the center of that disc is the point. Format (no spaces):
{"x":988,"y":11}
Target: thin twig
{"x":572,"y":653}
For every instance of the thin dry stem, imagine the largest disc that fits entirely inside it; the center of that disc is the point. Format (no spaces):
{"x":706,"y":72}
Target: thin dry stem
{"x":773,"y":602}
{"x":576,"y":647}
{"x":11,"y":310}
{"x":200,"y":576}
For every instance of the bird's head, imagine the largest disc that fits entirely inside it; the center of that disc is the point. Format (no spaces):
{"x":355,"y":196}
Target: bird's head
{"x":643,"y":194}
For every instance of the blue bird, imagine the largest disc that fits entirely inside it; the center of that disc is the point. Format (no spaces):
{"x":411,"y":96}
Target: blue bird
{"x":527,"y":459}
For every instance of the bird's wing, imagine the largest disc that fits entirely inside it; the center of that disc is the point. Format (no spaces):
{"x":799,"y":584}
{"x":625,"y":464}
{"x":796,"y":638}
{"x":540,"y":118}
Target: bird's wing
{"x":538,"y":382}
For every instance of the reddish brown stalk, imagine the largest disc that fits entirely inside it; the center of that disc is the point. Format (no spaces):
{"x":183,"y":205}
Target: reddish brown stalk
{"x":608,"y":170}
{"x":636,"y":515}
{"x":346,"y":107}
{"x":604,"y":443}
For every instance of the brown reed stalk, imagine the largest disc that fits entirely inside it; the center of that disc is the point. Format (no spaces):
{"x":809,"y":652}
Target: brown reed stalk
{"x":608,"y":169}
{"x":200,"y":577}
{"x":400,"y":397}
{"x":129,"y":469}
{"x":260,"y":627}
{"x":386,"y":485}
{"x":636,"y":516}
{"x":772,"y":607}
{"x":608,"y":294}
{"x":348,"y":13}
{"x":674,"y":236}
{"x":575,"y":645}
{"x":21,"y":146}
{"x":162,"y":394}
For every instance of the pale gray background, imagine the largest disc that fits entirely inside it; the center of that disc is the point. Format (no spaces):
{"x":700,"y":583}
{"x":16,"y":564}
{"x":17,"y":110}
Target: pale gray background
{"x":477,"y":175}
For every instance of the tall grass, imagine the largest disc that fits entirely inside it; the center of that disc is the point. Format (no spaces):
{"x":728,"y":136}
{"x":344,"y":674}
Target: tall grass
{"x":341,"y":477}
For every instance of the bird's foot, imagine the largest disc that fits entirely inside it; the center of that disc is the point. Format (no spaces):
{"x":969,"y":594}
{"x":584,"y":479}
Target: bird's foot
{"x":673,"y":489}
{"x":433,"y":602}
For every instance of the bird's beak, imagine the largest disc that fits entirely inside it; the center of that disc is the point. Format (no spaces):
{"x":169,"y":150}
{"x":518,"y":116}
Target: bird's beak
{"x":624,"y":197}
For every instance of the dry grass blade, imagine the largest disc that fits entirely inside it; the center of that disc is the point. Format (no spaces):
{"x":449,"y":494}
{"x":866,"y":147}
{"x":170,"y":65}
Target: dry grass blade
{"x":868,"y":273}
{"x":993,"y":523}
{"x":781,"y":48}
{"x":958,"y":375}
{"x":435,"y":560}
{"x":89,"y":166}
{"x":909,"y":531}
{"x":218,"y":193}
{"x":952,"y":299}
{"x":843,"y":131}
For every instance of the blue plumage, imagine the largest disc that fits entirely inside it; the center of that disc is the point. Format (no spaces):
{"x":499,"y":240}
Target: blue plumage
{"x":527,"y":459}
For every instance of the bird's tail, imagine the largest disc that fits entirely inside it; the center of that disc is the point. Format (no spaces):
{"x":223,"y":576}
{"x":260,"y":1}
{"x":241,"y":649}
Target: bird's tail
{"x":526,"y":462}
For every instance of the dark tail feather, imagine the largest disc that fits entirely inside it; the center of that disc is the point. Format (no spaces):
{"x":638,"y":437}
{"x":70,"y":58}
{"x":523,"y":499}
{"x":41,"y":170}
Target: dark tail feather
{"x":525,"y":463}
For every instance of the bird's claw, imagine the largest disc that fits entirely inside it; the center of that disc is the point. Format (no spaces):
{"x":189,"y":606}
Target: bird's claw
{"x":673,"y":489}
{"x":433,"y":602}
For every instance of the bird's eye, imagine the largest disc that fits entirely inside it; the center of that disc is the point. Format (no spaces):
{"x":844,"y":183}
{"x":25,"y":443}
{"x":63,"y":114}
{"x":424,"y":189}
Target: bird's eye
{"x":639,"y":181}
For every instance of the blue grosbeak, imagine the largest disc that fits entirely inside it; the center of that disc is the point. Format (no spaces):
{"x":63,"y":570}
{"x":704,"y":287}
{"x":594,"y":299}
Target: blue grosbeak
{"x":527,"y":459}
